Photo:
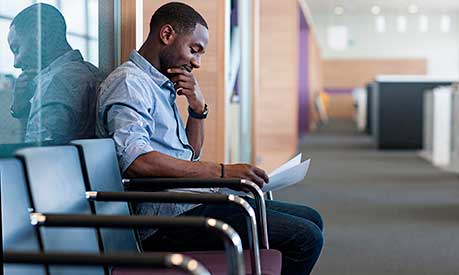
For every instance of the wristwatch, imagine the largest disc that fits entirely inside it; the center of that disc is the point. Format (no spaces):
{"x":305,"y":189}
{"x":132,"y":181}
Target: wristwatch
{"x":203,"y":115}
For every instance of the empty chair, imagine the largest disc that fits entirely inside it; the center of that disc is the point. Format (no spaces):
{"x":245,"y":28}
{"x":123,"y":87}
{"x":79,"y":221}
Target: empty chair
{"x":17,"y":232}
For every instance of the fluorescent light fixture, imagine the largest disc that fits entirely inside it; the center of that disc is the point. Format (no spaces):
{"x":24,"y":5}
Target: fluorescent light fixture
{"x":423,"y":23}
{"x":337,"y":38}
{"x":445,"y":23}
{"x":338,"y":10}
{"x":375,"y":10}
{"x":401,"y":24}
{"x":413,"y":9}
{"x":380,"y":23}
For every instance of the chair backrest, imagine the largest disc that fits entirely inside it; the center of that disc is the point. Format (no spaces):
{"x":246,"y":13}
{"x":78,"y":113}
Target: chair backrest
{"x":17,"y":233}
{"x":56,"y":185}
{"x":100,"y":166}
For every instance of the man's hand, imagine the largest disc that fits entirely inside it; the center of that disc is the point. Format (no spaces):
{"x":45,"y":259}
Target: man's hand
{"x":246,"y":171}
{"x":23,"y":92}
{"x":186,"y":84}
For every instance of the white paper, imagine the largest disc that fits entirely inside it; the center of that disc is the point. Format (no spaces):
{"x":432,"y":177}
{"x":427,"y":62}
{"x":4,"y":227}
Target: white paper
{"x":287,"y":177}
{"x":289,"y":164}
{"x":289,"y":173}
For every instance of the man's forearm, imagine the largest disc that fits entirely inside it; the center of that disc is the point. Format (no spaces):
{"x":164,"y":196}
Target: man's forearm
{"x":155,"y":164}
{"x":195,"y":133}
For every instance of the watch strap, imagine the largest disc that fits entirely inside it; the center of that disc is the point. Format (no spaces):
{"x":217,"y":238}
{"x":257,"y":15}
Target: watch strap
{"x":193,"y":114}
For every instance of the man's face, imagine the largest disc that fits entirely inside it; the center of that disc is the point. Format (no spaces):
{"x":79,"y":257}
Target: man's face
{"x":186,"y":50}
{"x":24,"y":49}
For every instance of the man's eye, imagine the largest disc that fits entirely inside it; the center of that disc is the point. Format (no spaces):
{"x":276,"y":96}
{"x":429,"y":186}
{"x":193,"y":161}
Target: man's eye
{"x":193,"y":51}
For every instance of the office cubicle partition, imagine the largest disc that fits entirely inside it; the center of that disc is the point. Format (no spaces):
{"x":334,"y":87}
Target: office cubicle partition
{"x":454,"y":160}
{"x":397,"y":106}
{"x":437,"y":126}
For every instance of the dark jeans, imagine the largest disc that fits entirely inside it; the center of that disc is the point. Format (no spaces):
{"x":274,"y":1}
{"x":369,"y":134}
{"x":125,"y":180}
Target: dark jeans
{"x":295,"y":230}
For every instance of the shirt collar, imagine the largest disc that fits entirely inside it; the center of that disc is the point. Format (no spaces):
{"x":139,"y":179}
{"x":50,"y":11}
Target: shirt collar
{"x":146,"y":66}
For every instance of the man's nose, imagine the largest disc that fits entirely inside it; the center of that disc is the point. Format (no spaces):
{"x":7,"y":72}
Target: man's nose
{"x":196,"y":62}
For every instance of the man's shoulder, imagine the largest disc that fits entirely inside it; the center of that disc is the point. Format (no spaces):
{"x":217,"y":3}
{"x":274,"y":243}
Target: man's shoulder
{"x":127,"y":70}
{"x":127,"y":83}
{"x":127,"y":73}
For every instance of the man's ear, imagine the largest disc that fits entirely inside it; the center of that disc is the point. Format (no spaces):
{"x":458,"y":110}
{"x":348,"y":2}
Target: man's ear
{"x":167,"y":34}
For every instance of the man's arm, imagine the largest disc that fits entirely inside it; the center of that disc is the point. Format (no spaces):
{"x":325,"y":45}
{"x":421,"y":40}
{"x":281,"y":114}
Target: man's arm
{"x":195,"y":133}
{"x":155,"y":164}
{"x":186,"y":84}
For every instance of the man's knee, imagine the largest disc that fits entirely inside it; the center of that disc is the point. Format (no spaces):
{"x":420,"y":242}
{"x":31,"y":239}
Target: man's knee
{"x":313,"y":215}
{"x":310,"y":238}
{"x":317,"y":219}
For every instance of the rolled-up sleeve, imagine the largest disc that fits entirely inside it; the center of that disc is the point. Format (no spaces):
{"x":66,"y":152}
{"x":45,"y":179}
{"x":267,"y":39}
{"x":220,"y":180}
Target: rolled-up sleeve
{"x":125,"y":109}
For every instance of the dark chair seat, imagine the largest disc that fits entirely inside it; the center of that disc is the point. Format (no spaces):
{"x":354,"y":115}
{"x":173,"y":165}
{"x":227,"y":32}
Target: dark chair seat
{"x":215,"y":262}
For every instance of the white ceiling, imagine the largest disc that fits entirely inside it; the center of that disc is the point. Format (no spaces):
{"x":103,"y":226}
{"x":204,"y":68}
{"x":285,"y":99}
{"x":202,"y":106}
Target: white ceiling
{"x":387,"y":6}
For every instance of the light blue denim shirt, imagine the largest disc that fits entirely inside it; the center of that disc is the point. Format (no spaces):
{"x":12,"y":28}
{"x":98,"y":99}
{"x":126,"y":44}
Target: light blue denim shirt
{"x":64,"y":103}
{"x":136,"y":107}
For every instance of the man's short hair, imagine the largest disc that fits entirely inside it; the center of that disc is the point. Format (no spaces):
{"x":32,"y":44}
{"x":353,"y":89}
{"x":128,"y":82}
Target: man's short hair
{"x":43,"y":17}
{"x":180,"y":16}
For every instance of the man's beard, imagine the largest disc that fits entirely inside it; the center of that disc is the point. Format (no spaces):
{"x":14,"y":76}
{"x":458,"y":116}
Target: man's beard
{"x":166,"y":60}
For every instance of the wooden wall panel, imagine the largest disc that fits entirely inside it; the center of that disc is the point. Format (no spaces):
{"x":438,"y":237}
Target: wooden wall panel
{"x":340,"y":106}
{"x":352,"y":73}
{"x":277,"y":104}
{"x":211,"y":74}
{"x":128,"y":15}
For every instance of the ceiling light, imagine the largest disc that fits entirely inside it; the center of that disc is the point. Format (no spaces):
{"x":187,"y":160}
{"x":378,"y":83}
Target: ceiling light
{"x":380,"y":23}
{"x":413,"y":9}
{"x":338,"y":38}
{"x":338,"y":10}
{"x":401,"y":24}
{"x":375,"y":10}
{"x":423,"y":23}
{"x":445,"y":23}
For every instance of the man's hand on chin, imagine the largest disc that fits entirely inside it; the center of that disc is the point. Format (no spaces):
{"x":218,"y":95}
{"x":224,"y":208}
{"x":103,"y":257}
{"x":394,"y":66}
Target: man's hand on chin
{"x":186,"y":84}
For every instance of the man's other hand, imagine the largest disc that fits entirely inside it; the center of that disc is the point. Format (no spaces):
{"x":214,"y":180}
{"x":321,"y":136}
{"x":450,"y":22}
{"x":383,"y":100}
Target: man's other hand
{"x":23,"y":92}
{"x":186,"y":84}
{"x":248,"y":172}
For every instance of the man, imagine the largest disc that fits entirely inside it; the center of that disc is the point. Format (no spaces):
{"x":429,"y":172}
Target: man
{"x":137,"y":109}
{"x":56,"y":91}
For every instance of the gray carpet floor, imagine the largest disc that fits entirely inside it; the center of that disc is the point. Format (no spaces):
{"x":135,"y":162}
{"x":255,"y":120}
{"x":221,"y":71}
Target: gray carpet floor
{"x":385,"y":212}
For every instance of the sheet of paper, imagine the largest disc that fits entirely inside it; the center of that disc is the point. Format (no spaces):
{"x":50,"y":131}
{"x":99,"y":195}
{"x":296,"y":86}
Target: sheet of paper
{"x":289,"y":164}
{"x":287,"y":177}
{"x":288,"y":174}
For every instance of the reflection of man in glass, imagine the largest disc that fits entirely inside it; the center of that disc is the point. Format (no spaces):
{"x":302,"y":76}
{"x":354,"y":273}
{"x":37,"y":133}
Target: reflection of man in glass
{"x":57,"y":88}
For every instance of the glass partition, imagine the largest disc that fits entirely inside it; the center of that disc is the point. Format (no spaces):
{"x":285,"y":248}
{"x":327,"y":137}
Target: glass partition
{"x":49,"y":76}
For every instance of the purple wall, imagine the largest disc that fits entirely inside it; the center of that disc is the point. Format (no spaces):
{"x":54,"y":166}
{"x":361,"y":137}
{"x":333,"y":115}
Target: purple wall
{"x":303,"y":77}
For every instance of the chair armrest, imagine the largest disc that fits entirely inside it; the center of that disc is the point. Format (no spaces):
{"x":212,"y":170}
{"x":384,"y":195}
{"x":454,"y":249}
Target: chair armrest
{"x":159,"y":184}
{"x":156,"y":260}
{"x":168,"y":197}
{"x":232,"y":241}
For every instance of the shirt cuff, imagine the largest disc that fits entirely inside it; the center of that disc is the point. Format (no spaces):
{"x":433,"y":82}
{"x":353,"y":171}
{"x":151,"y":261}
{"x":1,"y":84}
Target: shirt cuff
{"x":132,"y":152}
